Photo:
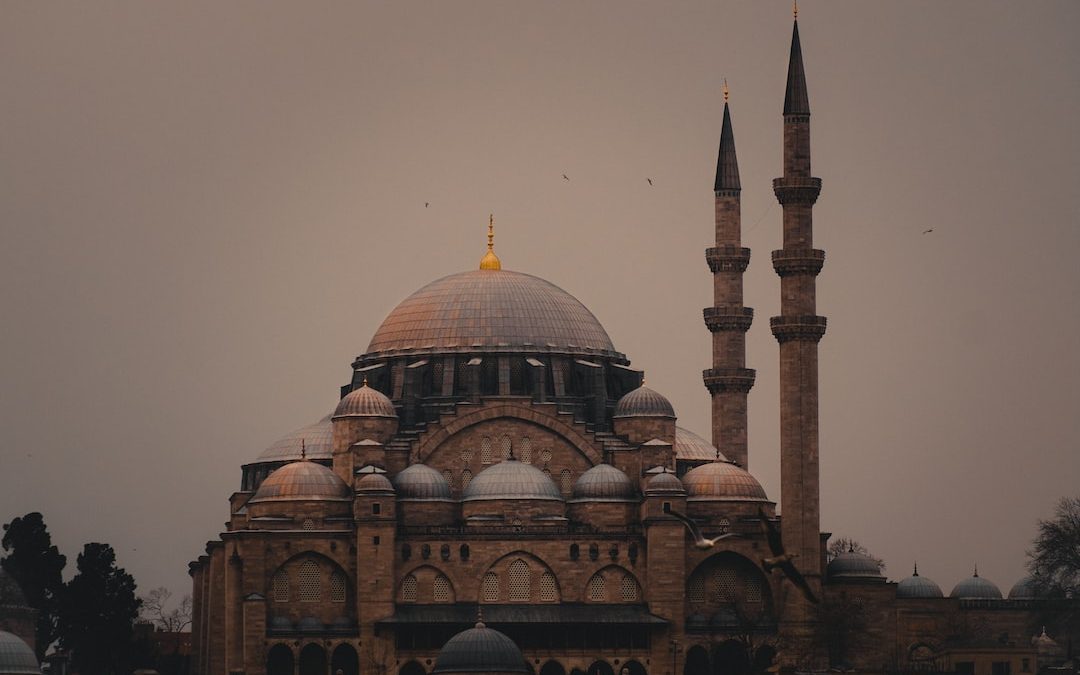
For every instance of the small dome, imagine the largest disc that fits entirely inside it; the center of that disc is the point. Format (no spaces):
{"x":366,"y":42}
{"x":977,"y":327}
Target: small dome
{"x":916,"y":586}
{"x":511,"y":479}
{"x":375,"y":482}
{"x":316,"y":440}
{"x":480,"y":650}
{"x":665,"y":484}
{"x":853,"y":566}
{"x":16,"y":657}
{"x":644,"y":402}
{"x":722,"y":481}
{"x":1023,"y":589}
{"x":975,"y":587}
{"x":691,"y":447}
{"x":364,"y":401}
{"x":302,"y":481}
{"x":421,"y":482}
{"x":1046,"y":646}
{"x":604,"y":482}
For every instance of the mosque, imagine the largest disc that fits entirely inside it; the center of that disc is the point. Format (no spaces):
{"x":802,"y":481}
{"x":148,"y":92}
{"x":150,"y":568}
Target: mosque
{"x":497,"y":491}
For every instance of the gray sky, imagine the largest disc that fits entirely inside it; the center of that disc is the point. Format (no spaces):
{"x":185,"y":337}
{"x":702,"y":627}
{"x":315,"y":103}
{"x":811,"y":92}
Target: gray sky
{"x":206,"y":209}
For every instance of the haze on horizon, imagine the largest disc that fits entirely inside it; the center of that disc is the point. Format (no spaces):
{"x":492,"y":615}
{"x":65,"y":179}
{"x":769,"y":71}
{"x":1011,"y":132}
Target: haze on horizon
{"x":206,"y":210}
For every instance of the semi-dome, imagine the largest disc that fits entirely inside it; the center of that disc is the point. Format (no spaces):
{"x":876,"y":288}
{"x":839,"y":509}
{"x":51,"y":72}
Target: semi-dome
{"x":1025,"y":589}
{"x":691,"y":447}
{"x":852,"y":566}
{"x":722,"y":481}
{"x":918,"y":587}
{"x":302,"y":481}
{"x":511,"y":479}
{"x":375,"y":482}
{"x":480,"y":650}
{"x":976,"y":587}
{"x":365,"y":401}
{"x":644,"y":402}
{"x":16,"y":657}
{"x":604,"y":482}
{"x":490,"y":310}
{"x":421,"y":482}
{"x":665,"y":484}
{"x":315,"y":440}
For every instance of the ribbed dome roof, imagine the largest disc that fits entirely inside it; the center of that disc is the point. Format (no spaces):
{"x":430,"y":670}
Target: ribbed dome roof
{"x":665,"y":484}
{"x":490,"y":310}
{"x":917,"y":586}
{"x":317,"y":440}
{"x":303,"y":480}
{"x":511,"y":479}
{"x":644,"y":402}
{"x":691,"y":447}
{"x":604,"y":482}
{"x":16,"y":657}
{"x":421,"y":482}
{"x":722,"y":481}
{"x":480,"y":650}
{"x":365,"y":401}
{"x":1023,"y":589}
{"x":975,"y":587}
{"x":374,"y":482}
{"x":851,"y":565}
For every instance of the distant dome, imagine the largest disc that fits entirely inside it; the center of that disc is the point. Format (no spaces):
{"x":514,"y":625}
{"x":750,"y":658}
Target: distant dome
{"x":421,"y":482}
{"x":317,"y":440}
{"x":1023,"y":589}
{"x":975,"y":587}
{"x":691,"y":447}
{"x":850,"y":565}
{"x":1046,"y":646}
{"x":644,"y":402}
{"x":302,"y":481}
{"x":16,"y":657}
{"x":665,"y":484}
{"x":722,"y":481}
{"x":916,"y":586}
{"x":480,"y":650}
{"x":511,"y":479}
{"x":375,"y":482}
{"x":490,"y":310}
{"x":604,"y":482}
{"x":365,"y":401}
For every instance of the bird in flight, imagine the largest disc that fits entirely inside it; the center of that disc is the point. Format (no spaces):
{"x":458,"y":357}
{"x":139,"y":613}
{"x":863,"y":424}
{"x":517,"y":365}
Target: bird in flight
{"x":426,"y":204}
{"x":928,"y":231}
{"x":695,"y":531}
{"x":650,"y":180}
{"x":781,"y":558}
{"x":566,"y":178}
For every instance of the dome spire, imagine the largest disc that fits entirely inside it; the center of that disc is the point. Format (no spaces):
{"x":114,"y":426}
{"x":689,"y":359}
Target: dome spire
{"x":490,"y":261}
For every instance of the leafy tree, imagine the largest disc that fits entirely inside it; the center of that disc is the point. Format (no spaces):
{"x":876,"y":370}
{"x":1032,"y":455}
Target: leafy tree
{"x":98,"y":615}
{"x":36,"y":565}
{"x":846,"y":545}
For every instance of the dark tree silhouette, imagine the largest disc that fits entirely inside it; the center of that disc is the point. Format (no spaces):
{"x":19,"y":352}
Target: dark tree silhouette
{"x":36,"y":565}
{"x":845,"y":544}
{"x":1054,"y":561}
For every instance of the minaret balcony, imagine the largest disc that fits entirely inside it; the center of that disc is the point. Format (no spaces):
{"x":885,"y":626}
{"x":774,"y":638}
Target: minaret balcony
{"x":728,"y":318}
{"x":792,"y":261}
{"x":806,"y":328}
{"x":727,"y":258}
{"x":797,"y":190}
{"x":723,"y":380}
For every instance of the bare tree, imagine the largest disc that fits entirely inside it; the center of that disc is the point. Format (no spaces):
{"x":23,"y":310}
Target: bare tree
{"x":848,"y":545}
{"x":156,"y":610}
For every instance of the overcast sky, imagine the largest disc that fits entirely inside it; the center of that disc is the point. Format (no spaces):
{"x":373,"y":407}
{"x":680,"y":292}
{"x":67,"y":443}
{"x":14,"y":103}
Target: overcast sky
{"x":206,"y":210}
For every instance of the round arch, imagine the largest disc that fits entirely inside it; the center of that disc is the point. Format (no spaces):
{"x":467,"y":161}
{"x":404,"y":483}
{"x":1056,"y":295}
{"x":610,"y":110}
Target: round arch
{"x":633,"y":667}
{"x":298,"y":558}
{"x":730,"y":588}
{"x":600,"y":668}
{"x":729,"y":658}
{"x":697,"y":661}
{"x":344,"y":661}
{"x":552,"y":668}
{"x":312,"y":660}
{"x":412,"y":668}
{"x":279,"y":660}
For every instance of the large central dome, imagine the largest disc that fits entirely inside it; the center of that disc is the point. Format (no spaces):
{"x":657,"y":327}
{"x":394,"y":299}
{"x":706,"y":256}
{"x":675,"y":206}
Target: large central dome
{"x":491,"y":310}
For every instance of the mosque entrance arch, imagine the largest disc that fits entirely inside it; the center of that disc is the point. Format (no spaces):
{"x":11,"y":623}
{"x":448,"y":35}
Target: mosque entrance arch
{"x":344,"y":661}
{"x":313,"y":660}
{"x":279,"y":660}
{"x":600,"y":668}
{"x":552,"y":668}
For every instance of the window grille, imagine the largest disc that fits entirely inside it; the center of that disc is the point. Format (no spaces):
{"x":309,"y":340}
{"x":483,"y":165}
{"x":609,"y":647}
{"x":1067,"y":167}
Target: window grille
{"x":337,"y":587}
{"x":485,"y":450}
{"x":408,"y":589}
{"x":437,"y":376}
{"x":725,"y":581}
{"x":309,"y":582}
{"x":753,"y":590}
{"x":466,"y":478}
{"x":491,"y":587}
{"x":566,"y":481}
{"x":724,"y":525}
{"x":281,"y":586}
{"x":308,"y":524}
{"x":441,"y":589}
{"x":628,"y":589}
{"x":549,"y":591}
{"x":596,"y":589}
{"x":545,"y":456}
{"x":466,"y":455}
{"x":697,"y":590}
{"x":525,"y":450}
{"x":449,"y":476}
{"x":520,"y":580}
{"x":505,"y":446}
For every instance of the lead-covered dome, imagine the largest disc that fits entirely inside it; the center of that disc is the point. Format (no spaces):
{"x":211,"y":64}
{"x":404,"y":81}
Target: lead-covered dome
{"x":852,"y":566}
{"x":511,"y":479}
{"x":722,"y":481}
{"x":691,"y":447}
{"x":604,"y":482}
{"x":420,"y":482}
{"x":918,"y":587}
{"x":490,"y":310}
{"x":1025,"y":589}
{"x":644,"y":402}
{"x":16,"y":657}
{"x":665,"y":483}
{"x":364,"y":401}
{"x":480,"y":650}
{"x":976,"y":587}
{"x":315,"y":440}
{"x":302,"y":481}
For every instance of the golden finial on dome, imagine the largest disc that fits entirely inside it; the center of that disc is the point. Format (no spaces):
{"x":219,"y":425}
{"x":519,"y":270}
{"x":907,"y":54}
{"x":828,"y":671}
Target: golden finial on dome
{"x":490,"y":261}
{"x":795,"y":8}
{"x":726,"y":92}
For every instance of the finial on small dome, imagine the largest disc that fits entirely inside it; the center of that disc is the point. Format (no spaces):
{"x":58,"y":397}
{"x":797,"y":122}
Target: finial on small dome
{"x":795,"y":9}
{"x":916,"y":572}
{"x":364,"y":383}
{"x":303,"y":449}
{"x":480,"y":617}
{"x":727,"y":92}
{"x":976,"y":569}
{"x":490,"y":261}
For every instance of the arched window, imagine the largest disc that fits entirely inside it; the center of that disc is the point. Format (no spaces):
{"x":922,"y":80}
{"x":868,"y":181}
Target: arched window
{"x":697,"y":590}
{"x":281,"y":586}
{"x":628,"y":589}
{"x":466,"y":455}
{"x":566,"y":481}
{"x":485,"y":450}
{"x":505,"y":446}
{"x":596,"y":589}
{"x":725,"y":581}
{"x":752,"y":589}
{"x":525,"y":450}
{"x":490,"y":587}
{"x":308,"y":524}
{"x":441,"y":589}
{"x":408,"y":589}
{"x":545,"y":456}
{"x":310,"y":588}
{"x":337,"y":587}
{"x":449,"y":476}
{"x":466,"y":478}
{"x":520,"y":581}
{"x":549,"y":590}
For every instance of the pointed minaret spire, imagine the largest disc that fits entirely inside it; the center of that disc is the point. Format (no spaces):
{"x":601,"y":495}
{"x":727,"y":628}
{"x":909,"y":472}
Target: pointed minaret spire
{"x":796,"y":101}
{"x":727,"y":166}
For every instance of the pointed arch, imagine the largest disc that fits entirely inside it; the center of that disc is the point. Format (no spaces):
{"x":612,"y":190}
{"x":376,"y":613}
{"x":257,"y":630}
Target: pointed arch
{"x":409,"y":587}
{"x":517,"y":574}
{"x":520,"y":581}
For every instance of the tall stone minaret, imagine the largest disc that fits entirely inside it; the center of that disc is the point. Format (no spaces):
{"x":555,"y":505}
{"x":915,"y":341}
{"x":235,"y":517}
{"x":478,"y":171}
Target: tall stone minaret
{"x":798,"y":330}
{"x":729,"y":380}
